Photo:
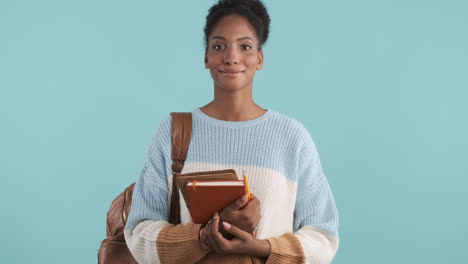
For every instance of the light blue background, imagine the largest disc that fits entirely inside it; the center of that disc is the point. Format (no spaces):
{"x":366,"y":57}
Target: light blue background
{"x":382,"y":86}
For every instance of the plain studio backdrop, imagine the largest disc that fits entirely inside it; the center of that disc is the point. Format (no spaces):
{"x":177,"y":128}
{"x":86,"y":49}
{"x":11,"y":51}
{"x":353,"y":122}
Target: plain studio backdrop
{"x":382,"y":86}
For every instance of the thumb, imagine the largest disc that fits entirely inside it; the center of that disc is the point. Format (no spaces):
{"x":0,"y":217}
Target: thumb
{"x":235,"y":231}
{"x":237,"y":204}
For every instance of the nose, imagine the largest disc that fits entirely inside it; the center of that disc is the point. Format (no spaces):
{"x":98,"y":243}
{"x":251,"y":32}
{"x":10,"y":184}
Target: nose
{"x":231,"y":56}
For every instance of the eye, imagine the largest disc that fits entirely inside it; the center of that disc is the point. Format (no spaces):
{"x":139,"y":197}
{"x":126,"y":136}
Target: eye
{"x":246,"y":47}
{"x":218,"y":47}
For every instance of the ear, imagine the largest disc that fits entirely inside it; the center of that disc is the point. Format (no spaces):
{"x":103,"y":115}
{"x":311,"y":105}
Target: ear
{"x":206,"y":59}
{"x":260,"y":60}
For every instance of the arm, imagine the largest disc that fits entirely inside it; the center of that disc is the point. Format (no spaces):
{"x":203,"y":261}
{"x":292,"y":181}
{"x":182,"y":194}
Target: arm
{"x":157,"y":241}
{"x":315,"y":213}
{"x":315,"y":239}
{"x":316,"y":223}
{"x":310,"y":244}
{"x":150,"y":238}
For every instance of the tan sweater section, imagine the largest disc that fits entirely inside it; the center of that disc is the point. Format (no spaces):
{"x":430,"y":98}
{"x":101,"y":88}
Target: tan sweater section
{"x":181,"y":245}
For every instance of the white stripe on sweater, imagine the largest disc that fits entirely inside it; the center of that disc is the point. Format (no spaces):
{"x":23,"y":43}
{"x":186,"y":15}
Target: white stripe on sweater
{"x":141,"y":240}
{"x":314,"y":240}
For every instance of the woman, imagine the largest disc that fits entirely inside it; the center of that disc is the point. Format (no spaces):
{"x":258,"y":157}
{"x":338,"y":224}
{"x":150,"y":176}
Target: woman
{"x":293,"y":212}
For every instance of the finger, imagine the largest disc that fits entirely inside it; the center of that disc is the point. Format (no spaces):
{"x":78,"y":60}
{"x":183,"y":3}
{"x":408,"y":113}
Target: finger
{"x":221,"y":244}
{"x":237,"y":204}
{"x":255,"y":202}
{"x":257,"y":220}
{"x":202,"y":243}
{"x":252,"y":205}
{"x":215,"y":229}
{"x":207,"y":236}
{"x":253,"y":210}
{"x":214,"y":232}
{"x":202,"y":240}
{"x":215,"y":222}
{"x":237,"y":232}
{"x":253,"y":197}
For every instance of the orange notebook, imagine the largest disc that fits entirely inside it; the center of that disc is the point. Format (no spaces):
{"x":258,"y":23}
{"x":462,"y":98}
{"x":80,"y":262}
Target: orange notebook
{"x":217,"y":175}
{"x":208,"y":197}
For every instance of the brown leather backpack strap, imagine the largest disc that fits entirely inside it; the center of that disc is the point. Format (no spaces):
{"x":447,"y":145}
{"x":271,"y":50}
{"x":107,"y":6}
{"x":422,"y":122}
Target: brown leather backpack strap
{"x":180,"y":136}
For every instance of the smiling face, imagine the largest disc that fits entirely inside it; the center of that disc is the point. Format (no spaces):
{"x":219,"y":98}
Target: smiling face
{"x":233,"y":55}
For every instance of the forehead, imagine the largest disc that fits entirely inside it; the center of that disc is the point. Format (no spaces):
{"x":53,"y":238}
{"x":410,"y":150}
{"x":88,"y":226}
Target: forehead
{"x":232,"y":27}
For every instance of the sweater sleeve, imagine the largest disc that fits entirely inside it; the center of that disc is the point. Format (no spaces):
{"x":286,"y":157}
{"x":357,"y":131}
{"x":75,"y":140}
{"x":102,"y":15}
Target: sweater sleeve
{"x":315,"y":238}
{"x":149,"y":236}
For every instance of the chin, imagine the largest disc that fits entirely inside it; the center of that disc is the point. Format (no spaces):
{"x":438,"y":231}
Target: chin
{"x":231,"y":86}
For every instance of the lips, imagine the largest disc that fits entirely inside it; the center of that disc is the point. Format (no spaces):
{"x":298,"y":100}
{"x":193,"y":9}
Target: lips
{"x":231,"y":72}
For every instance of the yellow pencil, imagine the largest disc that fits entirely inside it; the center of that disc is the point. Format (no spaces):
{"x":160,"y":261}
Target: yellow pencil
{"x":247,"y":188}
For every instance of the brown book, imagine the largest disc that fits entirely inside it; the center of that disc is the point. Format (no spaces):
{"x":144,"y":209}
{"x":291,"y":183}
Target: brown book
{"x":208,"y":197}
{"x":183,"y":179}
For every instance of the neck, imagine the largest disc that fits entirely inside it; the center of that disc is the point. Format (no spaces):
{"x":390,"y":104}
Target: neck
{"x":234,"y":105}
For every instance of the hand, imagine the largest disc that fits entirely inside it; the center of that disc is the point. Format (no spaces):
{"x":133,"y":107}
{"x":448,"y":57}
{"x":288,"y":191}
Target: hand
{"x":241,"y":213}
{"x":243,"y":243}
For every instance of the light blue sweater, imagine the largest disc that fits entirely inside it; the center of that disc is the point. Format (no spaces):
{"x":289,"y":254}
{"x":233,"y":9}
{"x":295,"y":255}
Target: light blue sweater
{"x":277,"y":154}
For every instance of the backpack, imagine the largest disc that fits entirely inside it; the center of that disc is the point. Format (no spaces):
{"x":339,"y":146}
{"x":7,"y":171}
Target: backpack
{"x":113,"y":248}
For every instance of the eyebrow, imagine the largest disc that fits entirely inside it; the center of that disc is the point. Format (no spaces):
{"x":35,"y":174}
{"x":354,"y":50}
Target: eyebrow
{"x":223,"y":38}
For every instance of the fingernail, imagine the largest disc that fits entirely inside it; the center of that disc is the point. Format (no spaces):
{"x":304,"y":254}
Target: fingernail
{"x":215,"y":215}
{"x":244,"y":198}
{"x":226,"y":225}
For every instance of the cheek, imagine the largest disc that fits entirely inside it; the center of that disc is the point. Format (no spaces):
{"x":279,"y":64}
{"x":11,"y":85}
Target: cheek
{"x":251,"y":60}
{"x":213,"y":71}
{"x":213,"y":58}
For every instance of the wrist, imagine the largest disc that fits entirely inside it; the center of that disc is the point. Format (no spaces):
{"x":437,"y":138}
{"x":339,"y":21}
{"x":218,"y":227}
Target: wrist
{"x":200,"y":238}
{"x":200,"y":232}
{"x":260,"y":248}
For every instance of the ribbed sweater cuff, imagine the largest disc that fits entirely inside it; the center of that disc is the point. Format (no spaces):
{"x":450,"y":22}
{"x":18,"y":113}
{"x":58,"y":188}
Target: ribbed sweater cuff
{"x":285,"y":249}
{"x":180,"y":244}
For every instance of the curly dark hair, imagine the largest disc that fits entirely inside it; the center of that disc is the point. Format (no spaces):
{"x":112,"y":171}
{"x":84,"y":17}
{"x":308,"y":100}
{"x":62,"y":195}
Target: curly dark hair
{"x":252,"y":10}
